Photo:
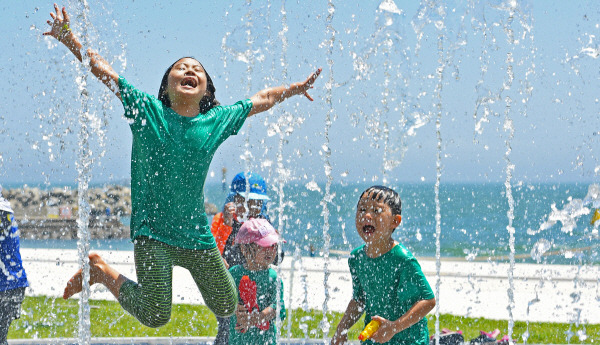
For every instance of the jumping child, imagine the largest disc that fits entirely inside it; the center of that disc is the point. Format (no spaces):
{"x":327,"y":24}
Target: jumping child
{"x":387,"y":281}
{"x":175,"y":136}
{"x":258,"y":242}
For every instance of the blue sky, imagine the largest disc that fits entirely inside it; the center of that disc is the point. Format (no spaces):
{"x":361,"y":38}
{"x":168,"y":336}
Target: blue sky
{"x":556,"y":132}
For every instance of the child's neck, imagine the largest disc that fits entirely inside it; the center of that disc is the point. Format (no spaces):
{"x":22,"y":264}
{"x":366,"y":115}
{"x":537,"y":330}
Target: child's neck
{"x":252,"y":266}
{"x":186,"y":109}
{"x":377,"y":249}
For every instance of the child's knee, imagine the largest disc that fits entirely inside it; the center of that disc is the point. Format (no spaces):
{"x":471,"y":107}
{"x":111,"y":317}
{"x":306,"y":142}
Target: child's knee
{"x":225,"y":310}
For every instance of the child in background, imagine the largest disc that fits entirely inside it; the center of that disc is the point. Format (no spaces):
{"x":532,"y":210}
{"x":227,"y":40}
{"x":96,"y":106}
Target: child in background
{"x":258,"y":242}
{"x":387,"y":280}
{"x":175,"y":136}
{"x":225,"y":226}
{"x":13,"y":280}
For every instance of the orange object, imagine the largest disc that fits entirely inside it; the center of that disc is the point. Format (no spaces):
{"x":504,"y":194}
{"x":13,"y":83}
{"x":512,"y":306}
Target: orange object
{"x":368,"y":332}
{"x":220,"y":231}
{"x":247,"y":289}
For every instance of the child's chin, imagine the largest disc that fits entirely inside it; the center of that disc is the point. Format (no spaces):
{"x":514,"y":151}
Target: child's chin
{"x":368,"y":236}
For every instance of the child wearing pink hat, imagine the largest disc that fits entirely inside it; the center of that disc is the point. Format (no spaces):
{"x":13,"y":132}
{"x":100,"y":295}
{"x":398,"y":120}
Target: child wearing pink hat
{"x":257,"y":285}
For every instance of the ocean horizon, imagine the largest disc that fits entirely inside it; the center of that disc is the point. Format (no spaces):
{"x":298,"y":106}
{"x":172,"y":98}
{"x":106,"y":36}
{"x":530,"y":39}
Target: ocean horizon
{"x":474,"y":221}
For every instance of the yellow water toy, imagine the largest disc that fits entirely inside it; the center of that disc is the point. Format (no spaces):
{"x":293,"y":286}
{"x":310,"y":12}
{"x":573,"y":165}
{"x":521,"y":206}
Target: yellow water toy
{"x":368,"y":332}
{"x":595,"y":217}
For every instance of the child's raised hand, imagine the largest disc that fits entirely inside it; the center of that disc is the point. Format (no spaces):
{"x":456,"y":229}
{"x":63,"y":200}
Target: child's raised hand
{"x":308,"y":83}
{"x":229,"y":213}
{"x":60,"y":26}
{"x":387,"y":329}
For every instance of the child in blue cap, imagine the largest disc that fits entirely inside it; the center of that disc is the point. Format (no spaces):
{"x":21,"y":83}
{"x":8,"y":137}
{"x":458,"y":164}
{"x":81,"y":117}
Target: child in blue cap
{"x":245,"y":201}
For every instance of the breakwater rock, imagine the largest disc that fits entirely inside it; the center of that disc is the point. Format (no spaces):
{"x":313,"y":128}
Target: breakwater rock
{"x":66,"y":229}
{"x":52,"y":213}
{"x":33,"y":202}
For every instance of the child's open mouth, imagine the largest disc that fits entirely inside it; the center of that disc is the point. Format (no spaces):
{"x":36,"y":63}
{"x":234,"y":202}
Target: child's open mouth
{"x":368,"y":229}
{"x":189,"y":82}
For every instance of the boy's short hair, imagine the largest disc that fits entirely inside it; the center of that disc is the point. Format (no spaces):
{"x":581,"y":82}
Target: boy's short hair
{"x":389,"y":196}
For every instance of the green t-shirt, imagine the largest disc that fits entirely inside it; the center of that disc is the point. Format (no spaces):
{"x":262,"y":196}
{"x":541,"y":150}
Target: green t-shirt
{"x":389,"y":286}
{"x":266,"y":292}
{"x":170,"y":158}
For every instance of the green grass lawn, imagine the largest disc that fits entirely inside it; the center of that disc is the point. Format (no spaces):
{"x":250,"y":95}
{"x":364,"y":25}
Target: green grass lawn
{"x":44,"y":317}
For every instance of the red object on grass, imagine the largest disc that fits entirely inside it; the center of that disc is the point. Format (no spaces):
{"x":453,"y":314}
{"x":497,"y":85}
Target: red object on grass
{"x":247,"y":289}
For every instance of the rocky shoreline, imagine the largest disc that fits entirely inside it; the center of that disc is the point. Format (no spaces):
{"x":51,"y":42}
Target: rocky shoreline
{"x":52,"y":214}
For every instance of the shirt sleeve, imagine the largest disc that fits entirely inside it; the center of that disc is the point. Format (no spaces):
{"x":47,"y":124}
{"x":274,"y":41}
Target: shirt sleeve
{"x":139,"y":106}
{"x":283,"y":311}
{"x":417,"y":285}
{"x":358,"y":294}
{"x":232,"y":117}
{"x":272,"y":299}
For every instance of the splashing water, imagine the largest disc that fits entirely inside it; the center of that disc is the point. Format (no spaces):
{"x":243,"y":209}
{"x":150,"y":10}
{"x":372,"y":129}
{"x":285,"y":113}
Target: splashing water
{"x":440,"y":10}
{"x":282,"y":178}
{"x":327,"y":197}
{"x":407,"y":94}
{"x":508,"y":127}
{"x":571,"y":212}
{"x":83,"y":167}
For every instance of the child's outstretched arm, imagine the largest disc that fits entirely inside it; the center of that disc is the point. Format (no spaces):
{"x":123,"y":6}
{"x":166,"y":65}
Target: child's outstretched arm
{"x":351,"y":315}
{"x":387,"y":329}
{"x":267,"y":98}
{"x":60,"y":28}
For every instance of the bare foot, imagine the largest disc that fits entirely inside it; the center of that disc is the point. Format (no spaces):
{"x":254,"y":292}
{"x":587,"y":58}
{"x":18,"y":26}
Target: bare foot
{"x":75,"y":284}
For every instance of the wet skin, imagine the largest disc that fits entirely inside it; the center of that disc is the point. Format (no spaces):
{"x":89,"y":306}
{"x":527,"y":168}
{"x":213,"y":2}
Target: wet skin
{"x":375,"y":224}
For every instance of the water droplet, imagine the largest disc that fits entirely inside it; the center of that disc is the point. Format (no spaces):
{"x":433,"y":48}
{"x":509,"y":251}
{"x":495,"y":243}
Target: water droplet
{"x":313,"y":186}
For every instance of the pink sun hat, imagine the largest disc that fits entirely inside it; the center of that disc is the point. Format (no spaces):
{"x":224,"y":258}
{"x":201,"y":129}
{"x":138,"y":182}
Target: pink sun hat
{"x":259,"y":231}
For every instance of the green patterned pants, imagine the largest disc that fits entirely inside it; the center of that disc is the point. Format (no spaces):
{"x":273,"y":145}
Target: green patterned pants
{"x":149,"y":300}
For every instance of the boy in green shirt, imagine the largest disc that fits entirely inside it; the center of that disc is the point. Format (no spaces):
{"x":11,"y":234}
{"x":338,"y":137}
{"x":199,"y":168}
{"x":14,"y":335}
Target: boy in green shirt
{"x":387,"y":280}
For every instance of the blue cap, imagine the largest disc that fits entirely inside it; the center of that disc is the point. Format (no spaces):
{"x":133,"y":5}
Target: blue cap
{"x":257,"y":190}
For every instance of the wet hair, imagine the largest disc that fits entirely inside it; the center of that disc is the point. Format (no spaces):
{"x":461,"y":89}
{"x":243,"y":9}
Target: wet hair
{"x":206,"y":103}
{"x":385,"y":194}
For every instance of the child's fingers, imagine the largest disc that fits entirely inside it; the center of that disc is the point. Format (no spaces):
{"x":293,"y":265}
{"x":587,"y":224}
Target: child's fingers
{"x":53,"y":15}
{"x":58,"y":14}
{"x":65,"y":14}
{"x":315,"y":75}
{"x":308,"y":96}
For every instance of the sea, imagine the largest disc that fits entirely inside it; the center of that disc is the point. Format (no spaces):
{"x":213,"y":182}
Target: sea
{"x":474,"y":222}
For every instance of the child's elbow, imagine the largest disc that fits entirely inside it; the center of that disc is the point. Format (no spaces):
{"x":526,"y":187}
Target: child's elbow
{"x":431,"y":303}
